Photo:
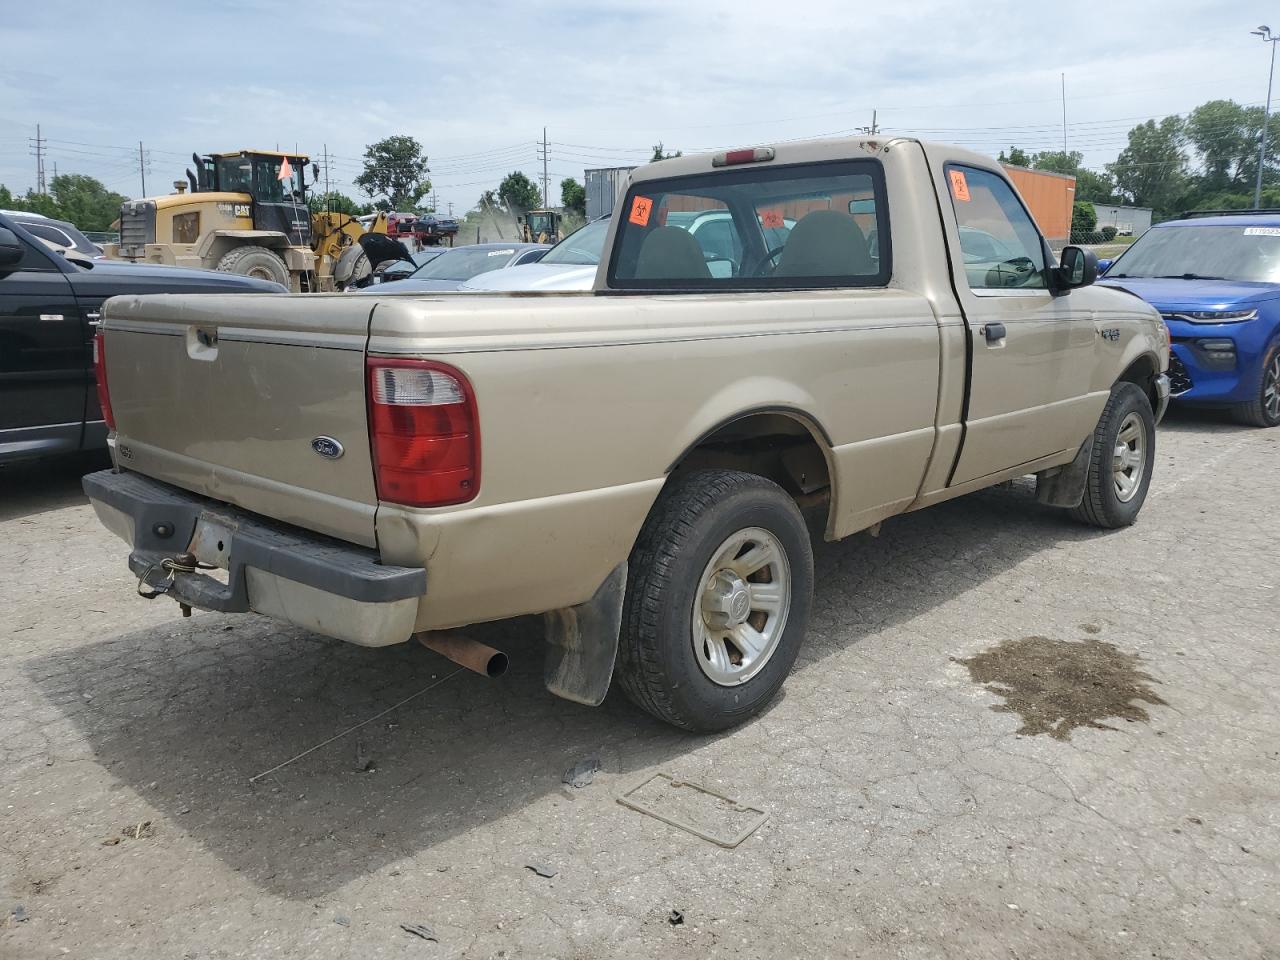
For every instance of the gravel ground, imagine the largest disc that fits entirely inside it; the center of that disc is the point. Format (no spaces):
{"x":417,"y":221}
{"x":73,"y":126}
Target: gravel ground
{"x":1007,"y":735}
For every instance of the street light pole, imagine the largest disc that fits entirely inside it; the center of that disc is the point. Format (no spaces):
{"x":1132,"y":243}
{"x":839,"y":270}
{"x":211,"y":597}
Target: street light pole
{"x":1265,"y":33}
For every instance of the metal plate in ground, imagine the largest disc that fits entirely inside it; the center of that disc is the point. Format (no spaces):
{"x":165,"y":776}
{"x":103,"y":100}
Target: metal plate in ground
{"x":699,"y":810}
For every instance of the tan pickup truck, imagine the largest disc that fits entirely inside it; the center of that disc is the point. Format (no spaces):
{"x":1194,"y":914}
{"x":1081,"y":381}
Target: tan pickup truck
{"x":857,"y":327}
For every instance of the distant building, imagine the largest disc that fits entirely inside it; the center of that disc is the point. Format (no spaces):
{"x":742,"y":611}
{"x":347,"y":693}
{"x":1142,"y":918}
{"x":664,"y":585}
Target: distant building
{"x":1128,"y":221}
{"x":602,"y":187}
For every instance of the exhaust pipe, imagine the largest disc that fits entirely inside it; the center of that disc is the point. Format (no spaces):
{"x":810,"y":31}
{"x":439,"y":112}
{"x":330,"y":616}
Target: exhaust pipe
{"x":465,"y":652}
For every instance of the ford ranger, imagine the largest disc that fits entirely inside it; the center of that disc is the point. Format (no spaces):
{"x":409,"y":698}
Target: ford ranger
{"x":873,"y":327}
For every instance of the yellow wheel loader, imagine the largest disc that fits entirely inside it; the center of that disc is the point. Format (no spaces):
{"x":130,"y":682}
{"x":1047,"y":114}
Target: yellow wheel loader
{"x":540,"y":226}
{"x":247,"y":213}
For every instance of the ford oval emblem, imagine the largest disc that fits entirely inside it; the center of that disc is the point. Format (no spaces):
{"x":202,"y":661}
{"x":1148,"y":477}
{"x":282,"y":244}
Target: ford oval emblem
{"x":328,"y":447}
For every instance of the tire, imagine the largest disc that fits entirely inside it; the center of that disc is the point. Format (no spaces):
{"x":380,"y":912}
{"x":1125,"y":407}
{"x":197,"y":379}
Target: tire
{"x":662,"y":668}
{"x":1264,"y":409}
{"x":1114,"y":493}
{"x":254,"y":261}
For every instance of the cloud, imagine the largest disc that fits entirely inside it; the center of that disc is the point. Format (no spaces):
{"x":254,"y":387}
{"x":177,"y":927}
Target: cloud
{"x":476,"y":83}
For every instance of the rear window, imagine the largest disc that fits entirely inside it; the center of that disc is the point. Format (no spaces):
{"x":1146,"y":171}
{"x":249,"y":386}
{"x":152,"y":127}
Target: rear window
{"x":756,"y":228}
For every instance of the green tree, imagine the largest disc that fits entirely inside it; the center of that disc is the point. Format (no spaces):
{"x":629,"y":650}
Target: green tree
{"x":1152,"y":170}
{"x":1016,"y":157}
{"x":517,"y":194}
{"x":45,"y":204}
{"x":339,"y":203}
{"x":395,"y":173}
{"x":1084,"y":222}
{"x":573,"y":195}
{"x":84,"y":201}
{"x":1095,"y":187}
{"x":660,"y":154}
{"x":7,"y":200}
{"x":1058,"y":161}
{"x":1225,"y":136}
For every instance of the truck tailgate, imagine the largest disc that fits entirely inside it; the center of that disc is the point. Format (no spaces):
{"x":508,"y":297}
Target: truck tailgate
{"x":248,"y":400}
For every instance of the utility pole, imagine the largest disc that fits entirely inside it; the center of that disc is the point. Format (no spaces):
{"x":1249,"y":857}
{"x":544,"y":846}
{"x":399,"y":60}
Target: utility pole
{"x":873,"y":129}
{"x":1265,"y":33}
{"x":328,"y":197}
{"x":142,"y":168}
{"x":38,"y":143}
{"x":451,"y":208}
{"x":546,"y":196}
{"x":1064,"y":113}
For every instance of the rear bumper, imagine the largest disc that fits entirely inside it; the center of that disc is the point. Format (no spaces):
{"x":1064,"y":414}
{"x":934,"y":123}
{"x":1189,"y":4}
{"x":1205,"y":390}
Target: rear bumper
{"x":318,"y":583}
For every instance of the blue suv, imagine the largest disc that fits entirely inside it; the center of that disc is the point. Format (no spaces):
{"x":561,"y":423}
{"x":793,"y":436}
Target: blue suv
{"x":1216,"y":280}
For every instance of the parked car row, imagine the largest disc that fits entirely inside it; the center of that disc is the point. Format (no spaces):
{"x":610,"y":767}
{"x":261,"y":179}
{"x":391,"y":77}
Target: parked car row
{"x":449,"y":269}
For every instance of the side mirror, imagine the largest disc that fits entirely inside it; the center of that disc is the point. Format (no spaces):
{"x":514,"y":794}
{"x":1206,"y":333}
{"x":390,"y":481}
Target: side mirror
{"x":1104,"y":266}
{"x":315,"y":173}
{"x":1079,"y":268}
{"x":11,"y":249}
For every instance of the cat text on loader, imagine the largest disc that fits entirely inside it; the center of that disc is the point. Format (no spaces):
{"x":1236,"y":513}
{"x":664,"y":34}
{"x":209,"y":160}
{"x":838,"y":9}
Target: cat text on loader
{"x":247,"y":213}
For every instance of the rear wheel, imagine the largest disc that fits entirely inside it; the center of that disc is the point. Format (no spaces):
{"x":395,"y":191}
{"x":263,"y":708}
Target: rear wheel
{"x":718,"y":594}
{"x":1264,"y":409}
{"x":254,"y":261}
{"x":1124,"y":451}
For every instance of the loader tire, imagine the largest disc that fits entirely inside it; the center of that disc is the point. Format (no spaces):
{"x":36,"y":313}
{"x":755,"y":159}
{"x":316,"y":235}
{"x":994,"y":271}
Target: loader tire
{"x":255,"y":261}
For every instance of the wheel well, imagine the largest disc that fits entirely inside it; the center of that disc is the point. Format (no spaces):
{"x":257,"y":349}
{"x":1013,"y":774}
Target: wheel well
{"x":1143,"y":372}
{"x":782,"y":447}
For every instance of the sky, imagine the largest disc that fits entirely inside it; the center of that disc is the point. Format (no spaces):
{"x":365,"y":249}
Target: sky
{"x":476,"y":82}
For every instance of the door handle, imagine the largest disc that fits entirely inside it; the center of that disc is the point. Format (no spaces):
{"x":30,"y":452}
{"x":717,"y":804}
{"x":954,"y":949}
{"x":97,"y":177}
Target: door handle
{"x":993,"y":332}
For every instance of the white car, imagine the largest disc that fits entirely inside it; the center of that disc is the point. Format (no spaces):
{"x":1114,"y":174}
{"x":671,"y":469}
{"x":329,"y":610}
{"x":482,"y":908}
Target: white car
{"x":569,"y":265}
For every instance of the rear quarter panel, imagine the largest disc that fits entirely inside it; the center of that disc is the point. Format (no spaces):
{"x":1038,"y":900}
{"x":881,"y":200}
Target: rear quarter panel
{"x":586,"y":402}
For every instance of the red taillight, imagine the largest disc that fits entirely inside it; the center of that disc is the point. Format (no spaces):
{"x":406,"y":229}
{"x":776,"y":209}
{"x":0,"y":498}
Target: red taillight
{"x":100,"y":375}
{"x":424,"y":433}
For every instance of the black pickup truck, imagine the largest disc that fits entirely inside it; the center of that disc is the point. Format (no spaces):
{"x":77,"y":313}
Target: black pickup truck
{"x":48,"y":306}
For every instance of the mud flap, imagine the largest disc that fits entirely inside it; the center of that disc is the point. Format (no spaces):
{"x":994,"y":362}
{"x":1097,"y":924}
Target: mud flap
{"x":1064,"y":486}
{"x":582,"y":643}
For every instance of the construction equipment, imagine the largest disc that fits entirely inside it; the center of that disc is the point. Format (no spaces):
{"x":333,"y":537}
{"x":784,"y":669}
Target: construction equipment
{"x":246,"y":212}
{"x":540,"y":226}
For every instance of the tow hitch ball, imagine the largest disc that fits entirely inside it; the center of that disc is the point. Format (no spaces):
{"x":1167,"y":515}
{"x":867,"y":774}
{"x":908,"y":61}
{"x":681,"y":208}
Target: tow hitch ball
{"x":172,"y":566}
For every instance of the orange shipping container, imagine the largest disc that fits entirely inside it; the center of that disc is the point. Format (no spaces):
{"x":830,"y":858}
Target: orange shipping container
{"x":1050,"y":197}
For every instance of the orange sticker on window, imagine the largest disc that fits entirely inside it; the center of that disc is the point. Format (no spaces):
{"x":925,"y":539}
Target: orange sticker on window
{"x":641,"y":207}
{"x":959,"y":185}
{"x":771,"y":219}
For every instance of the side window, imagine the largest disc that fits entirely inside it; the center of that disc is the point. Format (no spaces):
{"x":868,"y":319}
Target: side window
{"x":1000,"y":242}
{"x":52,"y":234}
{"x":36,"y":256}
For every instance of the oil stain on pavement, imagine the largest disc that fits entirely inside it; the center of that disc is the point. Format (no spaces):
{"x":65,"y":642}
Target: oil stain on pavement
{"x":1057,"y":686}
